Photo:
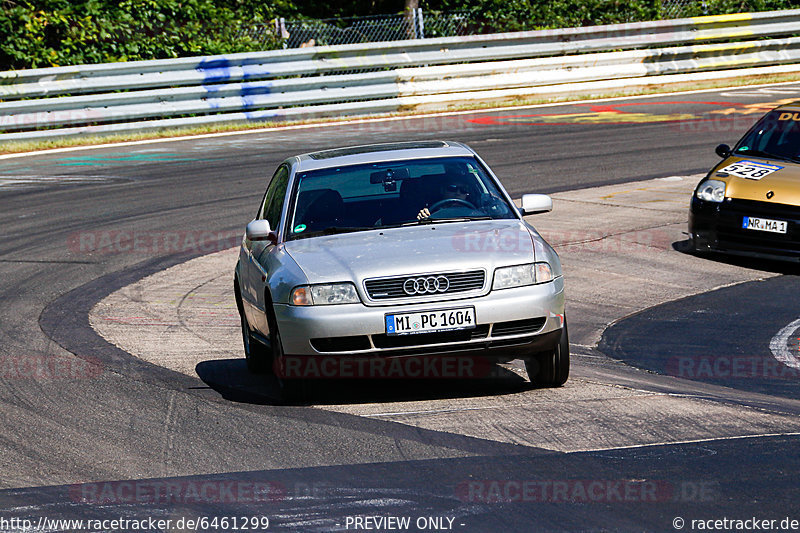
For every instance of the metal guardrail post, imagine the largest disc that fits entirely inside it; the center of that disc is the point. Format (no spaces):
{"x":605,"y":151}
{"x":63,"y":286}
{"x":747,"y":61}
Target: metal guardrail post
{"x":282,"y":34}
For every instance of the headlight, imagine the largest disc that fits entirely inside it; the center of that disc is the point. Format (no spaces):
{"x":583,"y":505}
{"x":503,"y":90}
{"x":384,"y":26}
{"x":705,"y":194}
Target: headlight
{"x":520,"y":275}
{"x":711,"y":191}
{"x":331,"y":294}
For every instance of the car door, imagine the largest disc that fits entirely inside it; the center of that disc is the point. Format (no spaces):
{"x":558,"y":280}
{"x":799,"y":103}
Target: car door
{"x":252,"y":253}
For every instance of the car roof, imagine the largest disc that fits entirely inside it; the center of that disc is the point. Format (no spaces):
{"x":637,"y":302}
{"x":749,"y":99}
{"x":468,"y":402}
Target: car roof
{"x":791,"y":106}
{"x":376,"y":153}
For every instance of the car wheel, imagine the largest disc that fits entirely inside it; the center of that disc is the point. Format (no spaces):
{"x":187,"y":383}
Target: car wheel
{"x":256,"y":354}
{"x":290,"y":388}
{"x":551,"y":368}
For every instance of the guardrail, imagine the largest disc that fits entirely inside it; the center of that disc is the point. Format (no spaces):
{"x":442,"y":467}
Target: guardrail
{"x":382,"y":77}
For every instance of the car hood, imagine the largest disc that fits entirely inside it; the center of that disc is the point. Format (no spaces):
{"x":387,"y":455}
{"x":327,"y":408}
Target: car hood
{"x":784,"y":183}
{"x":413,"y":250}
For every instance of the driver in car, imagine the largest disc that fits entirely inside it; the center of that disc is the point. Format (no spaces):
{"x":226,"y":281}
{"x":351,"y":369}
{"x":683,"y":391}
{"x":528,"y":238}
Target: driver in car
{"x":453,"y":191}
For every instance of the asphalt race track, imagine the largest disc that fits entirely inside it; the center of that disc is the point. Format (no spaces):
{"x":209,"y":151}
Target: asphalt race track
{"x":717,"y":337}
{"x":682,"y":412}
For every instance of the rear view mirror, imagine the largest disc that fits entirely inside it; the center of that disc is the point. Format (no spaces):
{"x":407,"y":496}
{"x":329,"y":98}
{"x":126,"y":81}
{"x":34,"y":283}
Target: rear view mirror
{"x":389,"y":174}
{"x":723,"y":150}
{"x":536,"y":203}
{"x":259,"y":230}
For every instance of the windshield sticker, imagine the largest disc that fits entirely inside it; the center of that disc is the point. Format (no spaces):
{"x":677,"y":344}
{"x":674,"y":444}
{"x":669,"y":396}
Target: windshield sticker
{"x":789,"y":116}
{"x":299,"y":228}
{"x":751,"y":170}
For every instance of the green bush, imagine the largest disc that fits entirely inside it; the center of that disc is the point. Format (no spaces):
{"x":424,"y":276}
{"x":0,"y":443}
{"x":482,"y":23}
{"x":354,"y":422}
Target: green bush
{"x":517,"y":15}
{"x":45,"y":33}
{"x":49,"y":33}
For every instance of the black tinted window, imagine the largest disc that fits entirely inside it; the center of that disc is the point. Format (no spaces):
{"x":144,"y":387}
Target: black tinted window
{"x":392,"y":193}
{"x":776,"y":134}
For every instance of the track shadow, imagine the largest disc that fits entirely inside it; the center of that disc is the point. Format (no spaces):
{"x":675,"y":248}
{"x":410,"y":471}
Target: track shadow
{"x":723,"y":337}
{"x":231,"y":379}
{"x":767,"y":265}
{"x":634,"y":489}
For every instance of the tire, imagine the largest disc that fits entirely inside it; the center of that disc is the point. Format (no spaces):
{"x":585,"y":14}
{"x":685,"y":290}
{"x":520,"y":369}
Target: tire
{"x":257,"y":356}
{"x":551,"y":369}
{"x":290,"y":390}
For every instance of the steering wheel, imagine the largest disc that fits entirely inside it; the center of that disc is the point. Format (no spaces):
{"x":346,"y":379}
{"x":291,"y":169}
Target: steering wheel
{"x":441,"y":203}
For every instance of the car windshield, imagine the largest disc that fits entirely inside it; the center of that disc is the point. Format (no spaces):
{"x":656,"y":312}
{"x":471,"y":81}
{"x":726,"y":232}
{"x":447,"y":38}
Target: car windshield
{"x":388,"y":194}
{"x":776,"y":135}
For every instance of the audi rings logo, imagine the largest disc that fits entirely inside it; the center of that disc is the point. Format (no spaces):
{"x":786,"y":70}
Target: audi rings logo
{"x":429,"y":285}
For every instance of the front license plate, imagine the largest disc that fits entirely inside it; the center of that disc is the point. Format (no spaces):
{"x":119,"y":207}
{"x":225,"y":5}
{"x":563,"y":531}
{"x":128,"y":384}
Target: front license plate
{"x":430,"y":321}
{"x":764,"y":224}
{"x":751,"y":170}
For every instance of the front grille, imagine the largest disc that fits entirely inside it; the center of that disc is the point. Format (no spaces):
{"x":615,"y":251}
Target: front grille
{"x":341,"y":344}
{"x":422,"y":339}
{"x":381,"y":289}
{"x":518,"y":327}
{"x":730,"y":233}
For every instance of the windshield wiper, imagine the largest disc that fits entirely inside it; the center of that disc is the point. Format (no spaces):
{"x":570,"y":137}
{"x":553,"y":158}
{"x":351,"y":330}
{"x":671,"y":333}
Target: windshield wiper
{"x":332,"y":230}
{"x":431,"y":220}
{"x":767,"y":155}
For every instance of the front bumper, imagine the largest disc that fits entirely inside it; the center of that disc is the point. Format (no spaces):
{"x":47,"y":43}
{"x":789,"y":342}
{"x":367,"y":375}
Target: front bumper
{"x":509,"y":322}
{"x":718,"y":227}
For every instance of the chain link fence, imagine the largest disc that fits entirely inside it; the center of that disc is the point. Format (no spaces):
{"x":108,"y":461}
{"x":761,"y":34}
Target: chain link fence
{"x":416,"y":24}
{"x":348,"y":30}
{"x":675,"y":9}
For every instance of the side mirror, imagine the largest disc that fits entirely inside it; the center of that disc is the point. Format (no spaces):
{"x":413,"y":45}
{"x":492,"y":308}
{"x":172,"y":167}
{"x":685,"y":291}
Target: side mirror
{"x":536,"y":203}
{"x":723,"y":150}
{"x":259,"y":230}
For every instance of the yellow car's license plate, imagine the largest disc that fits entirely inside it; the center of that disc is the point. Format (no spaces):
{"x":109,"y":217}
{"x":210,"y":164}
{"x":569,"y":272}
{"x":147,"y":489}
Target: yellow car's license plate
{"x":430,"y":321}
{"x":764,"y":224}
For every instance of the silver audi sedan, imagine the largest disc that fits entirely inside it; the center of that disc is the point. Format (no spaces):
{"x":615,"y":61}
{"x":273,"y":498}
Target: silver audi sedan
{"x":398,"y":260}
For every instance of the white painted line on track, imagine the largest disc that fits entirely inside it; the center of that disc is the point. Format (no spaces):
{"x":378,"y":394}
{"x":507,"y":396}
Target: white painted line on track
{"x":20,"y":182}
{"x":395,"y":119}
{"x":759,"y":91}
{"x":780,"y":348}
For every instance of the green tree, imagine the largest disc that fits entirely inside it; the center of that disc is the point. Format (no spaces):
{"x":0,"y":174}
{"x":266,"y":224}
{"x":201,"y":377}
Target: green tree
{"x":45,"y":33}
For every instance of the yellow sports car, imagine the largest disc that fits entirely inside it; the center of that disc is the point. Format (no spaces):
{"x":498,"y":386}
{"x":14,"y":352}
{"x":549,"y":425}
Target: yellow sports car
{"x":750,"y":202}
